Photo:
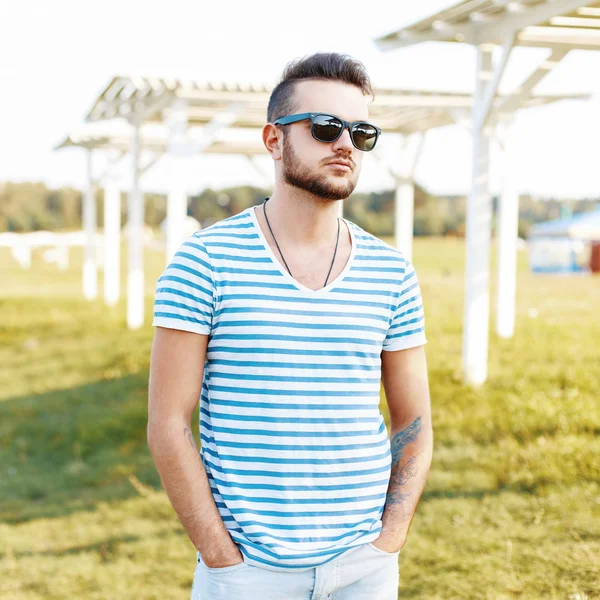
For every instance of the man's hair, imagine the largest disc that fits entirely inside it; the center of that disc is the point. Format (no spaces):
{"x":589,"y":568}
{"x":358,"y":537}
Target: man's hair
{"x":329,"y":66}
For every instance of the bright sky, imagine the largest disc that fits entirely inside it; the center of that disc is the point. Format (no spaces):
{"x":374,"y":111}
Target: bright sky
{"x":59,"y":55}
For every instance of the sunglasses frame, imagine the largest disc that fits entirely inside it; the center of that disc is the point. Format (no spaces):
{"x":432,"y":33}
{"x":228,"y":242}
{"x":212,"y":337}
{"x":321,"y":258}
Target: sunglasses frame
{"x":345,"y":125}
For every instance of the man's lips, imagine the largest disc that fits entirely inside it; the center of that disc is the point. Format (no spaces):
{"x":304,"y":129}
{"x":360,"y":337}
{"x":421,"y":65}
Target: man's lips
{"x":341,"y":165}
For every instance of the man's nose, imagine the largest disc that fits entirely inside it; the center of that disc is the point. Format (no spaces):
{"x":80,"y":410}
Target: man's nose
{"x":344,"y":142}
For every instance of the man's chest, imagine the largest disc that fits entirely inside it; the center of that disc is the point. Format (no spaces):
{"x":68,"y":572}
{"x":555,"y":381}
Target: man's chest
{"x":295,"y":323}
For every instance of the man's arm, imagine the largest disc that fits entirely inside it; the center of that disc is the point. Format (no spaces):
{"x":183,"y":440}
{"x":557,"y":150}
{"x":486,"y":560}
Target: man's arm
{"x":176,"y":371}
{"x":404,"y":377}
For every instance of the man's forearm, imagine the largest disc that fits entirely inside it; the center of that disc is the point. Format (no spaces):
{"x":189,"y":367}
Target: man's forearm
{"x":184,"y":478}
{"x":412,"y":449}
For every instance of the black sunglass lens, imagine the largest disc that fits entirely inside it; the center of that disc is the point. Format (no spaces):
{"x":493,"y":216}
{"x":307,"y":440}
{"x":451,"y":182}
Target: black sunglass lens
{"x":326,"y":128}
{"x":364,"y":136}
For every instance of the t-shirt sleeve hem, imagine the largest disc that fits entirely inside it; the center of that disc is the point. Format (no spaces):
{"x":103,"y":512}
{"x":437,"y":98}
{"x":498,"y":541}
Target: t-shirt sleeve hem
{"x":410,"y":341}
{"x":182,"y":325}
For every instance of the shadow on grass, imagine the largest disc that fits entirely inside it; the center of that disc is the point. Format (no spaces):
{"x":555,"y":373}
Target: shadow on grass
{"x":106,"y":547}
{"x":67,"y":450}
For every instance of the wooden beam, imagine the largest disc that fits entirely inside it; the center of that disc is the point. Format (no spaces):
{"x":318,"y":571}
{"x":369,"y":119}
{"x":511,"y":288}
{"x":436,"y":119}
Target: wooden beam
{"x":525,"y":89}
{"x":490,"y":89}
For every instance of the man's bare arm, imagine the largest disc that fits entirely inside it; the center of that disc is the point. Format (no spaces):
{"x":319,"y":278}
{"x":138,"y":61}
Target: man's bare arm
{"x":404,"y":376}
{"x":176,"y":370}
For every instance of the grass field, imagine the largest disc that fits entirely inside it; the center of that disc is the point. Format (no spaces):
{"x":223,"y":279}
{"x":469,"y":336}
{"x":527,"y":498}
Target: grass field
{"x":512,"y":504}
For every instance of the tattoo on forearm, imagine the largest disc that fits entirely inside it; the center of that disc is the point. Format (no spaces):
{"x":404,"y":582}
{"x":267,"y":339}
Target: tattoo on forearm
{"x":190,"y":436}
{"x":402,"y":469}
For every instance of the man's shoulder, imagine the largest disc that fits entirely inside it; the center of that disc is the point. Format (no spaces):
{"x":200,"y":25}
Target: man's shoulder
{"x":224,"y":226}
{"x":375,"y":248}
{"x":232,"y":235}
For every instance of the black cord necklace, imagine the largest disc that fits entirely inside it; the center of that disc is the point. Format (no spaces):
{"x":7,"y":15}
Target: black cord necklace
{"x":280,"y":252}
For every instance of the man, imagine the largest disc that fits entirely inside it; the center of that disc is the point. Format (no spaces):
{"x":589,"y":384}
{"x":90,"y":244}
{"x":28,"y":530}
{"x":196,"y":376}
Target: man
{"x":284,"y":320}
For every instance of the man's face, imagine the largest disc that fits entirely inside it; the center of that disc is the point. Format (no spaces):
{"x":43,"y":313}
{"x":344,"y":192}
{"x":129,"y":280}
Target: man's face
{"x":305,"y":161}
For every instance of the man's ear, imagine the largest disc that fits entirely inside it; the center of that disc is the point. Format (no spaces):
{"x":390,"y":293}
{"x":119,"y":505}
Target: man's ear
{"x":272,"y":139}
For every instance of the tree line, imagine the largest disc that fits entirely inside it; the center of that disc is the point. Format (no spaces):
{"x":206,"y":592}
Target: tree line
{"x":31,"y":206}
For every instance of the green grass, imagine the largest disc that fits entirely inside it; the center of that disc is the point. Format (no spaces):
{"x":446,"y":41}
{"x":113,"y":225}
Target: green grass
{"x":512,"y":504}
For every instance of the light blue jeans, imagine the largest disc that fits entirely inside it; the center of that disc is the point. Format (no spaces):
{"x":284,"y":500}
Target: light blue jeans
{"x":363,"y":573}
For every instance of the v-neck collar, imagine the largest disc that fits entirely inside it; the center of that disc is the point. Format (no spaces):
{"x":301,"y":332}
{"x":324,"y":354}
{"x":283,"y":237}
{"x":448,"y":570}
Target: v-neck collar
{"x":306,"y":290}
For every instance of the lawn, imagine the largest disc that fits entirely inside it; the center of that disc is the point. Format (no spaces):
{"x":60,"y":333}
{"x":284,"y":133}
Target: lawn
{"x":512,"y":504}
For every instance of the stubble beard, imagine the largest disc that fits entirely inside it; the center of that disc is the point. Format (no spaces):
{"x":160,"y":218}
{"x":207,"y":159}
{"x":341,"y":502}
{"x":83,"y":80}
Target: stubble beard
{"x":299,"y":175}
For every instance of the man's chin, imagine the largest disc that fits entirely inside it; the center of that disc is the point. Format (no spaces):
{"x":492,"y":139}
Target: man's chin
{"x":343,"y":191}
{"x":336,"y":188}
{"x":340,"y":182}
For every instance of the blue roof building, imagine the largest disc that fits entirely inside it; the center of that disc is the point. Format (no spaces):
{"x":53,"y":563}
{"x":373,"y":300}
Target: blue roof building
{"x":564,"y":245}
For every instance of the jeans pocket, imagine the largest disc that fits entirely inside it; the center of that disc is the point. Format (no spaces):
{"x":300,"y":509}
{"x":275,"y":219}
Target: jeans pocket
{"x":380,"y":551}
{"x":222,"y":569}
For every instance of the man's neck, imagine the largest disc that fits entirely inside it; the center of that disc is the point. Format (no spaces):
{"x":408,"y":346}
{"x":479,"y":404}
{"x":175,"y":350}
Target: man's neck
{"x":302,"y":219}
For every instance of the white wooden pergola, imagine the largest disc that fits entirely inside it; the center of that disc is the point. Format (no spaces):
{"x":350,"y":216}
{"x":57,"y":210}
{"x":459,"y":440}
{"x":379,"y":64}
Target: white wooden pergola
{"x":171,"y":118}
{"x":156,"y":146}
{"x":558,"y":25}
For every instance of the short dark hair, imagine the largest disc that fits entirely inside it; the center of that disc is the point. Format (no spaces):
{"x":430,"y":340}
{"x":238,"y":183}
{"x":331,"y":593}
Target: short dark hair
{"x":329,"y":66}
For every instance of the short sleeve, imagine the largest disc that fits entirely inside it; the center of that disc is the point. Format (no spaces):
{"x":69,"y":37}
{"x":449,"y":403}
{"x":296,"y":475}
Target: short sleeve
{"x":185,"y":291}
{"x":407,"y":327}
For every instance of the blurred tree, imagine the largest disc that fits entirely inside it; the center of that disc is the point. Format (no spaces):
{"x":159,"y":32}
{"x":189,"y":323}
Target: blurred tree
{"x":31,"y":205}
{"x":155,"y":206}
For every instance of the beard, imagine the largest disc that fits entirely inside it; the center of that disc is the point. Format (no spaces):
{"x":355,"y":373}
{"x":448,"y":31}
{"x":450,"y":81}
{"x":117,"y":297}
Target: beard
{"x":299,"y":175}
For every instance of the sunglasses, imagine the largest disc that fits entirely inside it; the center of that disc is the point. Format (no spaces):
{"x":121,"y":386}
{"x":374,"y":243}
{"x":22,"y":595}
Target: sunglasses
{"x":328,"y":128}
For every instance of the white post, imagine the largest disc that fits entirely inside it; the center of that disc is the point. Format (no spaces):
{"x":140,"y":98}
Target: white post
{"x":478,"y":232}
{"x":135,"y":223}
{"x":90,"y":268}
{"x":508,"y":231}
{"x":176,"y":210}
{"x":404,"y":215}
{"x":404,"y":212}
{"x":178,"y":147}
{"x":62,"y":257}
{"x":21,"y":252}
{"x":112,"y":241}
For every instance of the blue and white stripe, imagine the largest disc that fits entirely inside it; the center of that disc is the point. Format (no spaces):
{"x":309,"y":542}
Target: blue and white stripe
{"x":293,"y":442}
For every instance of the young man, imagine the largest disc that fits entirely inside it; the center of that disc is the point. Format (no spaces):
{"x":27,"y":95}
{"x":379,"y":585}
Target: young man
{"x":284,"y":320}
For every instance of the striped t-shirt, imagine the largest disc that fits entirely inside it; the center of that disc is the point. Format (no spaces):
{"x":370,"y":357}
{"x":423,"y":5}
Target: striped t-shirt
{"x":292,"y":439}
